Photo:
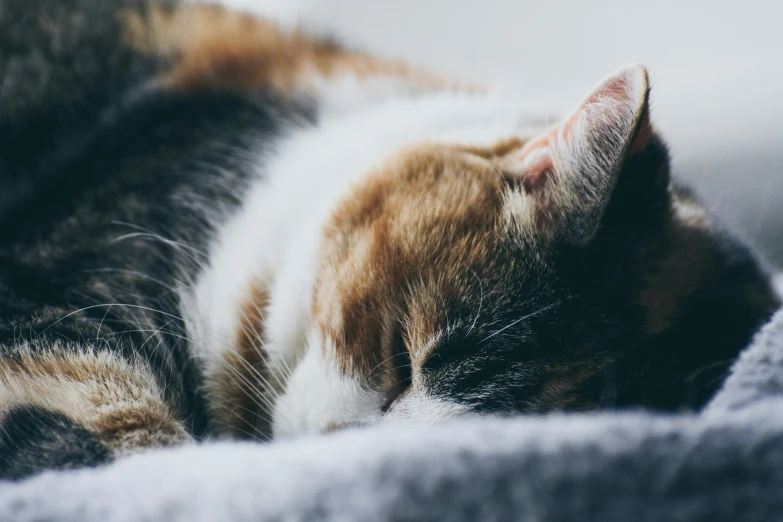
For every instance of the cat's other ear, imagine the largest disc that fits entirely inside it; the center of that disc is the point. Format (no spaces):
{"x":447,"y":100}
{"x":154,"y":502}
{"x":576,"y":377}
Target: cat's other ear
{"x":569,"y":174}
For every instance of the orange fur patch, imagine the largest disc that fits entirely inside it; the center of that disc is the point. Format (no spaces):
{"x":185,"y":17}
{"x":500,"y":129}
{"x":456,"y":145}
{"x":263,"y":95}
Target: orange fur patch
{"x":212,"y":46}
{"x":417,"y":229}
{"x":119,"y":403}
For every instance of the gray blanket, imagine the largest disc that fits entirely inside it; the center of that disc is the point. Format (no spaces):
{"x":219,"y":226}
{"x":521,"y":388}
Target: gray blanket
{"x":724,"y":464}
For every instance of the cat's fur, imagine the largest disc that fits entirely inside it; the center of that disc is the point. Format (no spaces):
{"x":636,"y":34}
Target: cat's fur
{"x":214,"y":227}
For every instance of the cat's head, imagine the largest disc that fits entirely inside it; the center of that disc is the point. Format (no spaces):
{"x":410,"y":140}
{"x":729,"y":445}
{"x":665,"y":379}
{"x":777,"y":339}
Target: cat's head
{"x":541,"y":273}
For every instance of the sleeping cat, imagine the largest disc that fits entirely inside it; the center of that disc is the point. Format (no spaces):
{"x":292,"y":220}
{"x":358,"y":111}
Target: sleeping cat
{"x":214,"y":227}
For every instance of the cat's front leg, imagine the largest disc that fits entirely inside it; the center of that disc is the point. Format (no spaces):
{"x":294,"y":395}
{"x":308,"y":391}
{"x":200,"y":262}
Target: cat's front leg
{"x":66,"y":406}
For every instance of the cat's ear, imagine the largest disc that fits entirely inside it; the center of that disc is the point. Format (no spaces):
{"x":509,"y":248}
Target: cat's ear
{"x":568,"y":174}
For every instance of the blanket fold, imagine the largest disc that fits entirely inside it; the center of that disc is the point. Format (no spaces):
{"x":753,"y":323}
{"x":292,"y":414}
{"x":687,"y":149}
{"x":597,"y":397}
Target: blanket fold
{"x":724,"y":464}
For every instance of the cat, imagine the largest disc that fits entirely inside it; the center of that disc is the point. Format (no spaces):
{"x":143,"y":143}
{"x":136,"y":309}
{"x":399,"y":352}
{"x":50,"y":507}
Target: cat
{"x":214,"y":227}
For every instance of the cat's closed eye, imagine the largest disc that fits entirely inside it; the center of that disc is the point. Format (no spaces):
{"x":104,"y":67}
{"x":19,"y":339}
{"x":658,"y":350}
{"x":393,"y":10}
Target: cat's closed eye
{"x":400,"y":373}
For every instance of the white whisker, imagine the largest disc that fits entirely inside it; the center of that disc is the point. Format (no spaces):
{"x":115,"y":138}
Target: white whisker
{"x":542,"y":309}
{"x":481,"y":300}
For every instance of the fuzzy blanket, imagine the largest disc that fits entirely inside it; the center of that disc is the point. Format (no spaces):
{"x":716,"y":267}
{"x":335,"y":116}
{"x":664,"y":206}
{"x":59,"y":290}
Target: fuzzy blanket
{"x":723,"y":464}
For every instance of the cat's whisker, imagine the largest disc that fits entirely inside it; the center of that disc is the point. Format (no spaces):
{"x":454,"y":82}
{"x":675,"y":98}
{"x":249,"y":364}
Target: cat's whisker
{"x":378,"y":366}
{"x":262,"y":439}
{"x":257,"y":434}
{"x":168,"y":241}
{"x":255,"y":394}
{"x":481,"y":300}
{"x":100,"y":325}
{"x":258,"y":348}
{"x":282,"y":384}
{"x":287,"y":370}
{"x":128,"y":305}
{"x":194,"y":255}
{"x":256,"y":414}
{"x":248,"y":329}
{"x":527,"y":316}
{"x":449,"y":326}
{"x":155,"y":334}
{"x":256,"y":374}
{"x":400,"y":367}
{"x":141,"y":275}
{"x":384,"y":361}
{"x":160,"y":331}
{"x":272,"y":403}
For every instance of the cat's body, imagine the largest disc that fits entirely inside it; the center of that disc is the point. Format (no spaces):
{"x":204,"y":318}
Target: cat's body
{"x":213,"y":227}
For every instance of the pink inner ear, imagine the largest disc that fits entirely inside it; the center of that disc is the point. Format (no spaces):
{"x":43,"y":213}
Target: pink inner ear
{"x":539,"y":167}
{"x":536,"y":162}
{"x":615,"y":88}
{"x":621,"y":94}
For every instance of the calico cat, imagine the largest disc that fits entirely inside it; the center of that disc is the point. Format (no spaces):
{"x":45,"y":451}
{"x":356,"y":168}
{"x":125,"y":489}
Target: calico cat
{"x":214,"y":227}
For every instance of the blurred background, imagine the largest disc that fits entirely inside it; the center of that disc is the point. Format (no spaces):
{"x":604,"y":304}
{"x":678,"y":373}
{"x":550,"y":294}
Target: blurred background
{"x":716,"y":66}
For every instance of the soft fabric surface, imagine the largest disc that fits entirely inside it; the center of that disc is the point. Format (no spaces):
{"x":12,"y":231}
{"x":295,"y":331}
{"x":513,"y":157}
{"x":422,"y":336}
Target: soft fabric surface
{"x":725,"y":464}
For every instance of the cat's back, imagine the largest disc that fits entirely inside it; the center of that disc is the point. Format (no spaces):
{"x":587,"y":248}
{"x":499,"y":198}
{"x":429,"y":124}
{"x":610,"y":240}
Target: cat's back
{"x":117,"y":166}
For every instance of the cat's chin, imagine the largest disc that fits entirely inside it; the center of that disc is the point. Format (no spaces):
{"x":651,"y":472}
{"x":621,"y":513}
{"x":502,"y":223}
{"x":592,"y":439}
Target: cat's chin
{"x":319,"y":399}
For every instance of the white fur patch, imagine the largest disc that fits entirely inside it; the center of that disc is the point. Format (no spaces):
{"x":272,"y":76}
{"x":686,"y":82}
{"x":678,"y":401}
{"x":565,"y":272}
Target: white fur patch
{"x":418,"y":407}
{"x":275,"y":239}
{"x":318,"y":397}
